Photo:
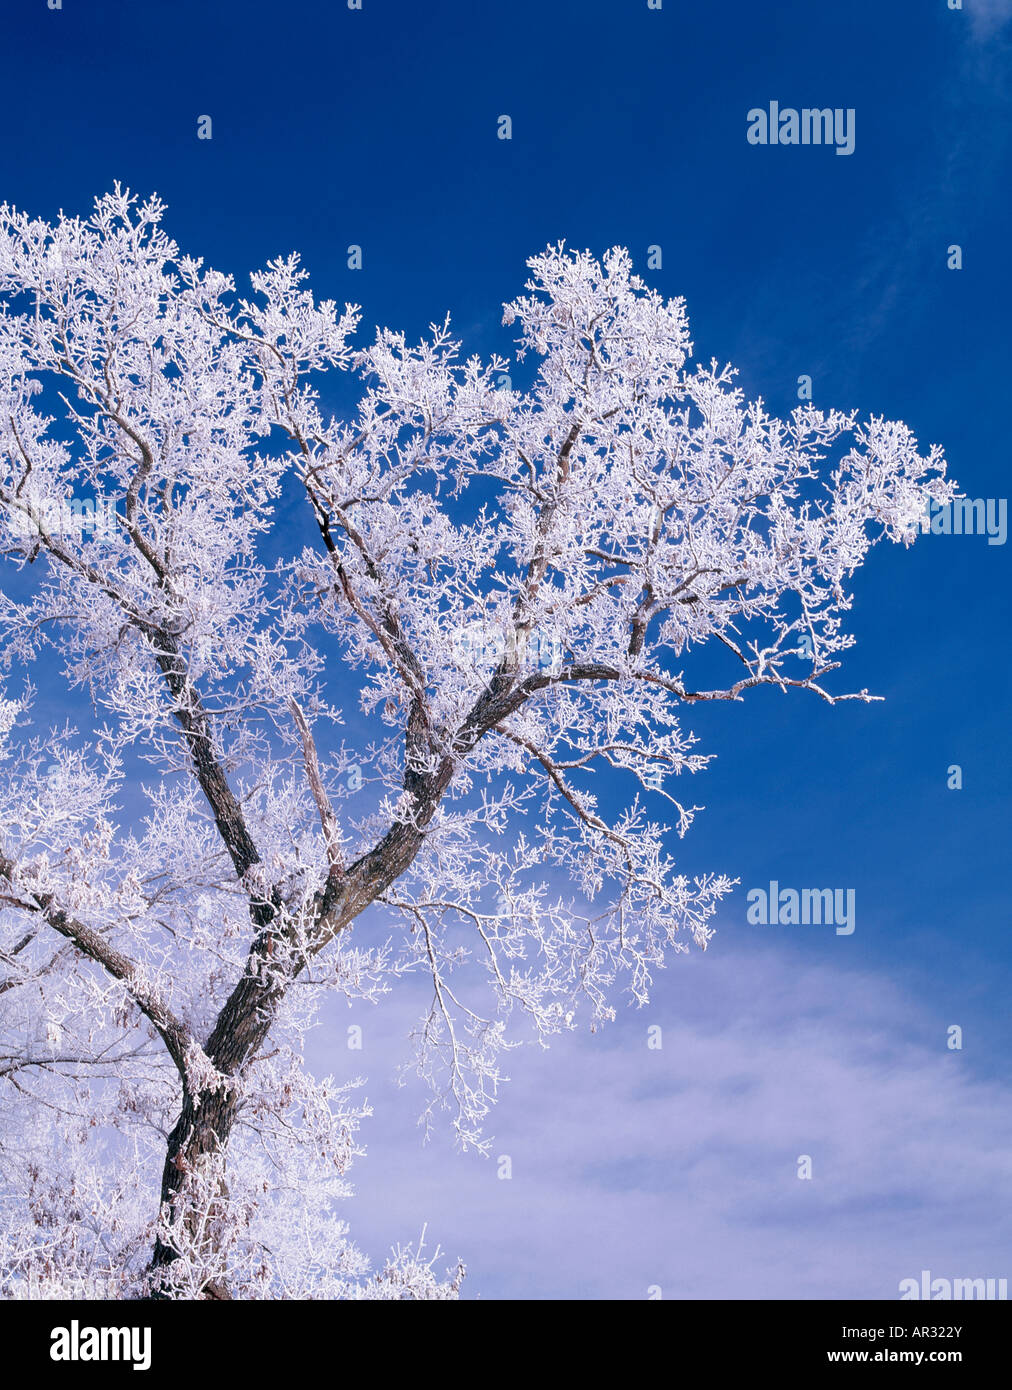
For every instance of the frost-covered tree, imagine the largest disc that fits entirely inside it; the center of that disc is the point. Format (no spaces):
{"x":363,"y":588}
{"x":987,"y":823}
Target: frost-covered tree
{"x":509,"y":586}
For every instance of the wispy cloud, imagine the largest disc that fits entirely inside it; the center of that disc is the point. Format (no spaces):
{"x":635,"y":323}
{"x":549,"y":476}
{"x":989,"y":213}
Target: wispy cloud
{"x":678,"y":1167}
{"x":988,"y":15}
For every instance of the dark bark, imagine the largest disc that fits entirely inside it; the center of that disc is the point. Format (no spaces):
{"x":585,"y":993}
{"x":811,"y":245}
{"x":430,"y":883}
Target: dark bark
{"x":206,"y":1120}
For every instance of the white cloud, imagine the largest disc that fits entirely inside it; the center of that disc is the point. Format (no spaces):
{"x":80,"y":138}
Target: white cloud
{"x":988,"y":15}
{"x":678,"y":1167}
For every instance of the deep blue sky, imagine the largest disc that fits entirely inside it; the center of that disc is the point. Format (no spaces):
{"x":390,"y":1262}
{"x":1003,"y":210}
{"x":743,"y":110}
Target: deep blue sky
{"x":378,"y":127}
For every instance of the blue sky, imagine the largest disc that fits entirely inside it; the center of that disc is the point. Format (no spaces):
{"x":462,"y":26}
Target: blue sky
{"x":379,"y":128}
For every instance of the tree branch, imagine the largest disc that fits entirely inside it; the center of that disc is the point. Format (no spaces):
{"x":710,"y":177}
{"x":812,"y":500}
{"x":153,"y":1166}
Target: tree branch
{"x":174,"y":1033}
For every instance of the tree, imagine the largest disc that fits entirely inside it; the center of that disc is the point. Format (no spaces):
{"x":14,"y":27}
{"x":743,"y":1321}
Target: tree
{"x":508,"y":582}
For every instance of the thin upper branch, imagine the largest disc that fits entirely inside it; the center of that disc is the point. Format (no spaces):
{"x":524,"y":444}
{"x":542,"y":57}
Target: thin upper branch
{"x":328,"y":820}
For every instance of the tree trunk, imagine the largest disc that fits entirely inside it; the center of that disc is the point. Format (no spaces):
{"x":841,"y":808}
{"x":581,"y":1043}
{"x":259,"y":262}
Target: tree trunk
{"x":201,"y":1134}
